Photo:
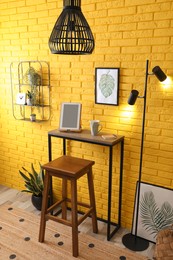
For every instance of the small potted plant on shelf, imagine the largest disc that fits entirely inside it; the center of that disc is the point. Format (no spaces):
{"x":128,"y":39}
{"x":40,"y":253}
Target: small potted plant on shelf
{"x":32,"y":77}
{"x":31,"y":97}
{"x":34,"y":183}
{"x":33,"y":117}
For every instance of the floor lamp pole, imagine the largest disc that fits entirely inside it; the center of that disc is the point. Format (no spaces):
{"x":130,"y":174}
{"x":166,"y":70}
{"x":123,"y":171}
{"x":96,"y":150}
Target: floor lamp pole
{"x":131,"y":241}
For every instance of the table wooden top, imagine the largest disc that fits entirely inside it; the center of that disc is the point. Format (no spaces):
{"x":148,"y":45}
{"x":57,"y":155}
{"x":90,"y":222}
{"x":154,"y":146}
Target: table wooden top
{"x":85,"y":136}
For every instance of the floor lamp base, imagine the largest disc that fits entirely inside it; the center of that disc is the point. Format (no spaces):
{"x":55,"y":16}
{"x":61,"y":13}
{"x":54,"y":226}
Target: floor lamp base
{"x":135,"y":243}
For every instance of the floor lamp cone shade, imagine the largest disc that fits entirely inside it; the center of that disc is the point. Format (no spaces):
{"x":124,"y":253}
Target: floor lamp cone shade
{"x":71,"y":33}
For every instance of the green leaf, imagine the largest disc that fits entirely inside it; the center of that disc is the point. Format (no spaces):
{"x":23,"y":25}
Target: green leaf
{"x":33,"y":180}
{"x":106,"y":84}
{"x":24,"y":176}
{"x":154,"y":218}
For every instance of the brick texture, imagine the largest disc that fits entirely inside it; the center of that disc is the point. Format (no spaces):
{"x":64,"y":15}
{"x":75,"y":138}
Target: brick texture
{"x":127,"y":33}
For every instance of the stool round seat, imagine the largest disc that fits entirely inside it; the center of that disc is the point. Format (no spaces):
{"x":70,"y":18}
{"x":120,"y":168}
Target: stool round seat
{"x":68,"y":168}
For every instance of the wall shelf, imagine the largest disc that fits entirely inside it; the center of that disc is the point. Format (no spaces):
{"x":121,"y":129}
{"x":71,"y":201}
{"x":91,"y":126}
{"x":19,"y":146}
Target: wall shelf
{"x":32,"y":76}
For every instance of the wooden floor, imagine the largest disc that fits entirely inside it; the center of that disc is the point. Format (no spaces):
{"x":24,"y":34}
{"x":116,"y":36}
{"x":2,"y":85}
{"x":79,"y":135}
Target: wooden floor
{"x":23,"y":200}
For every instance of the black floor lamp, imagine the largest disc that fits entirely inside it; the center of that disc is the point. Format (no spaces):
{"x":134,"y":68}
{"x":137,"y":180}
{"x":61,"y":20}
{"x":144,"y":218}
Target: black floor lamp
{"x":131,"y":241}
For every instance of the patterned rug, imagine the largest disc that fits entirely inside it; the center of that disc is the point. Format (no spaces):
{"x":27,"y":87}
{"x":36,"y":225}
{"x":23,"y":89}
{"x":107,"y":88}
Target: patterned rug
{"x":19,"y":240}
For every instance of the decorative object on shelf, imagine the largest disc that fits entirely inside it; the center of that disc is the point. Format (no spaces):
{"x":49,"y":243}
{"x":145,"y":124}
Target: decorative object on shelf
{"x":133,"y":241}
{"x":32,"y":96}
{"x":34,"y":183}
{"x":71,"y":33}
{"x":21,"y":98}
{"x":33,"y":79}
{"x":33,"y":117}
{"x":107,"y":86}
{"x":29,"y":98}
{"x":155,"y":212}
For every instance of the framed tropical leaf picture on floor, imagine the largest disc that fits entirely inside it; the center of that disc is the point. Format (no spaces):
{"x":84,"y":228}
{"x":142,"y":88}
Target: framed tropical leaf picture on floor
{"x":107,"y":86}
{"x":155,"y":210}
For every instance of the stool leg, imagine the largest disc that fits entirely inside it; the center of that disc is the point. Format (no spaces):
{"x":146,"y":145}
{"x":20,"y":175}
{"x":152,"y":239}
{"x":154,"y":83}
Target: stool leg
{"x":92,"y":200}
{"x":64,"y":196}
{"x":74,"y":217}
{"x":44,"y":207}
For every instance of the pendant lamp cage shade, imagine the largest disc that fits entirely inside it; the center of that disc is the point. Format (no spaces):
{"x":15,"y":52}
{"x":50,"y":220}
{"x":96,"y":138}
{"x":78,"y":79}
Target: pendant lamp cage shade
{"x":71,"y":33}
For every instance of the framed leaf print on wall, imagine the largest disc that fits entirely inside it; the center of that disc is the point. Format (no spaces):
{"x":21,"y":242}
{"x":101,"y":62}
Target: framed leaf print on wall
{"x":107,"y":86}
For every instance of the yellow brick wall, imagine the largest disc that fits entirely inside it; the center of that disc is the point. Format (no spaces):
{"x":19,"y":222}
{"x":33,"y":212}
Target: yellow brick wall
{"x":127,"y":33}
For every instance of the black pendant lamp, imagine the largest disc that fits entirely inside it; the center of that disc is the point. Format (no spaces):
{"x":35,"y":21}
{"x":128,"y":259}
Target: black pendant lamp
{"x":71,"y":33}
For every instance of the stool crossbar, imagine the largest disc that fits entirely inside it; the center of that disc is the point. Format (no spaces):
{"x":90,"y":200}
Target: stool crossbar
{"x":68,"y":168}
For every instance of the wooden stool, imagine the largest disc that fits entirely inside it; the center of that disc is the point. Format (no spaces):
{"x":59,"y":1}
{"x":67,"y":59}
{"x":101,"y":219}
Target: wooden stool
{"x":68,"y":168}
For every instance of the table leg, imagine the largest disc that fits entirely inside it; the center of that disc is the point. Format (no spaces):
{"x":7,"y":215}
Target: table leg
{"x":64,"y":146}
{"x":109,"y":192}
{"x":49,"y":148}
{"x":50,"y":159}
{"x":117,"y":226}
{"x":121,"y":181}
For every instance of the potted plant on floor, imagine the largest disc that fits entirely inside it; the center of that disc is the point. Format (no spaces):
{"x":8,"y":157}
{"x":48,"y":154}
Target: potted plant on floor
{"x":34,"y":183}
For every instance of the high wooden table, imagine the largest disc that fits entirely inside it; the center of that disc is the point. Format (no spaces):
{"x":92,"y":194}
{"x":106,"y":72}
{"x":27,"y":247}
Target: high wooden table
{"x":85,"y":136}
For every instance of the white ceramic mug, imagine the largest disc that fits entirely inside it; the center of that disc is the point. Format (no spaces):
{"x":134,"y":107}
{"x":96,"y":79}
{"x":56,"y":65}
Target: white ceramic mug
{"x":95,"y":127}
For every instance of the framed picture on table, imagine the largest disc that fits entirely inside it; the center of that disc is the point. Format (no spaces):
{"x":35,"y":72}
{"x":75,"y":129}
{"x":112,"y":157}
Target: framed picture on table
{"x":70,"y":117}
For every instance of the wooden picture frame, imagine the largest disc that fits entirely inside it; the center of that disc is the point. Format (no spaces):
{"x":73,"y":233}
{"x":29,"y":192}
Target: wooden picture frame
{"x":70,"y":117}
{"x":107,"y":86}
